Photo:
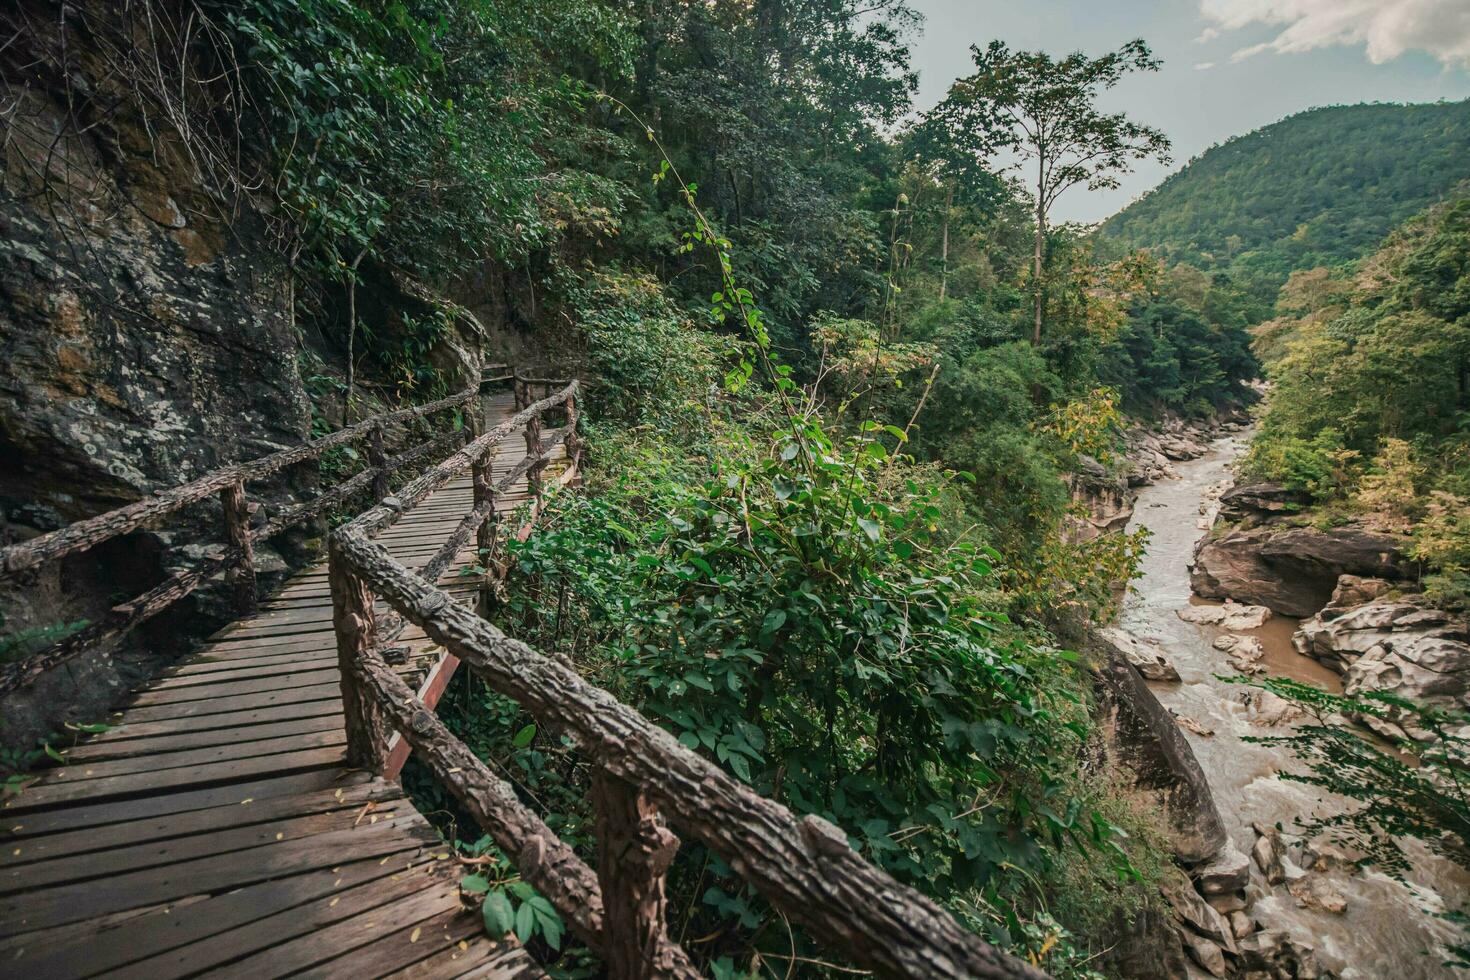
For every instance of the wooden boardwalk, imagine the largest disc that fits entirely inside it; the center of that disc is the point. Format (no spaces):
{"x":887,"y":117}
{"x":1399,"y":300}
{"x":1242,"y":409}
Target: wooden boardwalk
{"x":215,"y":830}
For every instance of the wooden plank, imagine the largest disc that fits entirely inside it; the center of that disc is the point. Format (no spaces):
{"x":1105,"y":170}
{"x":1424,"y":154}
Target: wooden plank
{"x":78,"y":771}
{"x":110,"y":942}
{"x":294,"y":956}
{"x":148,"y":854}
{"x":204,"y":672}
{"x":94,"y":751}
{"x":410,"y":943}
{"x":226,"y":687}
{"x":65,"y":904}
{"x":36,"y":847}
{"x":362,"y":892}
{"x":130,"y":729}
{"x":234,"y":705}
{"x":49,"y":795}
{"x":482,"y":960}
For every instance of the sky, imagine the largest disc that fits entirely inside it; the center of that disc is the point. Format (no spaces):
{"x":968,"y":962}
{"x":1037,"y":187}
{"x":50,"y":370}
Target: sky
{"x":1230,"y":66}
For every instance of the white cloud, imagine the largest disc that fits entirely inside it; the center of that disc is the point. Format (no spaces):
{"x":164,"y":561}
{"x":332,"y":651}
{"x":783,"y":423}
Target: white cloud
{"x":1204,"y":66}
{"x":1388,"y":28}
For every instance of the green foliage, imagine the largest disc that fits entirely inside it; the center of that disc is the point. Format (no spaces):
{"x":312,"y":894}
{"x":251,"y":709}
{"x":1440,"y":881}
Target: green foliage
{"x":823,"y":633}
{"x":1317,"y":189}
{"x":1371,"y":378}
{"x":1042,"y":113}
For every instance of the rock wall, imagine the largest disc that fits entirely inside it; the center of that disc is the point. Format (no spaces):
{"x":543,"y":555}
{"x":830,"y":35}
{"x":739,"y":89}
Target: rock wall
{"x":146,"y":334}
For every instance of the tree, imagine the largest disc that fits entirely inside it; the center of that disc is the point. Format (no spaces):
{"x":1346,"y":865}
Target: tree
{"x":1043,"y":112}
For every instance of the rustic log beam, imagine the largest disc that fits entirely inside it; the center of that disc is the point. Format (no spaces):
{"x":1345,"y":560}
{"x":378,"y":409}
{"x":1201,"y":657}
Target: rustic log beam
{"x":433,"y":447}
{"x":803,"y":866}
{"x":455,"y":543}
{"x":314,"y":507}
{"x":237,"y":531}
{"x":544,"y":861}
{"x":117,"y":623}
{"x":573,"y":439}
{"x":383,"y":516}
{"x":378,"y":463}
{"x":534,"y":451}
{"x":84,"y":534}
{"x":634,"y":851}
{"x":357,"y":636}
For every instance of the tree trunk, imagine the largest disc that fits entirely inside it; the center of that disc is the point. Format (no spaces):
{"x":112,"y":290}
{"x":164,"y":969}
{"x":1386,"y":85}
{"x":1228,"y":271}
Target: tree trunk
{"x":1037,"y":294}
{"x":944,"y":244}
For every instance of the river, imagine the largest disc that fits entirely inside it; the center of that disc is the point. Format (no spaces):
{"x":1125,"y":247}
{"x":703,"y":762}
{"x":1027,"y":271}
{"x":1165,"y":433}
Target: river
{"x":1386,"y":930}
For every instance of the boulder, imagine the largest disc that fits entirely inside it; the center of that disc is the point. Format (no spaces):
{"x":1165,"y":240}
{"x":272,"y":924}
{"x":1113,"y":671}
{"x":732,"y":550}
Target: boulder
{"x":1292,"y":570}
{"x":1269,"y":853}
{"x":1243,"y":652}
{"x":1320,"y":854}
{"x":1259,"y":502}
{"x":1396,"y":645}
{"x":1141,"y":654}
{"x":1195,"y":912}
{"x":1141,"y":736}
{"x":1267,"y":710}
{"x":1205,"y":953}
{"x":1229,"y":871}
{"x":1241,"y":924}
{"x":1230,"y":616}
{"x":1317,"y":892}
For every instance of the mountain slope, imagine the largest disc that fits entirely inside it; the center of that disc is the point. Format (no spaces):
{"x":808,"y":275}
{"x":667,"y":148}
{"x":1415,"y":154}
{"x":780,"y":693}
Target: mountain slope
{"x":1317,"y":188}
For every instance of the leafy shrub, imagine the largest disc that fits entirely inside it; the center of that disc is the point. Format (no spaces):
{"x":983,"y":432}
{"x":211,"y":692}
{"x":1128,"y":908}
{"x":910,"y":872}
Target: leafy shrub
{"x":815,"y":625}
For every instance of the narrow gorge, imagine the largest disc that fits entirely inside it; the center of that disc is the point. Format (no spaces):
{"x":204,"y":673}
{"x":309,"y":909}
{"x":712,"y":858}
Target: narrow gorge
{"x":1272,"y":895}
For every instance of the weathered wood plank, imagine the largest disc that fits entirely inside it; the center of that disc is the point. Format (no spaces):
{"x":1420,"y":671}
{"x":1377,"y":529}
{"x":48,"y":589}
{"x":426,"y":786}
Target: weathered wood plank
{"x":326,"y":944}
{"x":106,"y":943}
{"x":265,"y":699}
{"x":53,"y":794}
{"x":44,"y":846}
{"x":365,"y":887}
{"x":82,"y":770}
{"x":97,"y":751}
{"x":149,"y":854}
{"x":63,"y":904}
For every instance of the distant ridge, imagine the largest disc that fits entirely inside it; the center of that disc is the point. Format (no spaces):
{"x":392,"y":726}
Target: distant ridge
{"x":1318,"y":188}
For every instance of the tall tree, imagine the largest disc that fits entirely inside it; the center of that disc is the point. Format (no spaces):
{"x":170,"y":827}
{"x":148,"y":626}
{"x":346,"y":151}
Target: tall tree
{"x":1042,"y":113}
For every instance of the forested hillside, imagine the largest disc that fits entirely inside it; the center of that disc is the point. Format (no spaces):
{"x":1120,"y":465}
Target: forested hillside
{"x":1316,"y":189}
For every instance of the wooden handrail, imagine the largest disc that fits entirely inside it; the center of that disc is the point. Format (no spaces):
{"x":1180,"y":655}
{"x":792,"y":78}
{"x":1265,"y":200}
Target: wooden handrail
{"x":92,"y":531}
{"x":238,"y":558}
{"x":642,"y":776}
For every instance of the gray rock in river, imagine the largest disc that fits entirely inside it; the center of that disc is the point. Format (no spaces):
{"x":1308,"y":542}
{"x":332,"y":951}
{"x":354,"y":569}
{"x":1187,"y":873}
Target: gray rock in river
{"x":1292,"y":570}
{"x":1141,"y":735}
{"x":1394,"y":644}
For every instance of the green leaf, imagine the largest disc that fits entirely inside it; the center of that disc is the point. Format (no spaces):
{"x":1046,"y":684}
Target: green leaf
{"x":474,"y":884}
{"x":525,"y":922}
{"x":870,"y":527}
{"x":524,"y":736}
{"x":498,"y":915}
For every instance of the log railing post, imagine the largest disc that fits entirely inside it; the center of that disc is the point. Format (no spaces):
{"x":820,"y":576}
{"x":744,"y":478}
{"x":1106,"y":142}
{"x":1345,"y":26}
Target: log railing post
{"x":573,"y":441}
{"x":378,"y":462}
{"x":533,"y":450}
{"x":237,"y":528}
{"x":357,"y":633}
{"x":482,"y":478}
{"x":634,"y":851}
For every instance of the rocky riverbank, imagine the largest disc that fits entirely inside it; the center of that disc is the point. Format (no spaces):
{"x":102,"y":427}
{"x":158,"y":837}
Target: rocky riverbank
{"x":1270,"y":901}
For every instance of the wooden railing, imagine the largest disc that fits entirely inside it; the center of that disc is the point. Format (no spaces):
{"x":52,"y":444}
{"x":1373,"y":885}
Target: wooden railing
{"x":644,"y":782}
{"x":237,"y":559}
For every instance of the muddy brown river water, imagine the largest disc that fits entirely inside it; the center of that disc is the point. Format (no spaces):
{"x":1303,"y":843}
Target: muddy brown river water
{"x":1387,"y":930}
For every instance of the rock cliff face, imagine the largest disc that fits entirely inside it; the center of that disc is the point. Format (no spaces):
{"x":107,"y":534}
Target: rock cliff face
{"x":147,"y":338}
{"x":1290,"y":570}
